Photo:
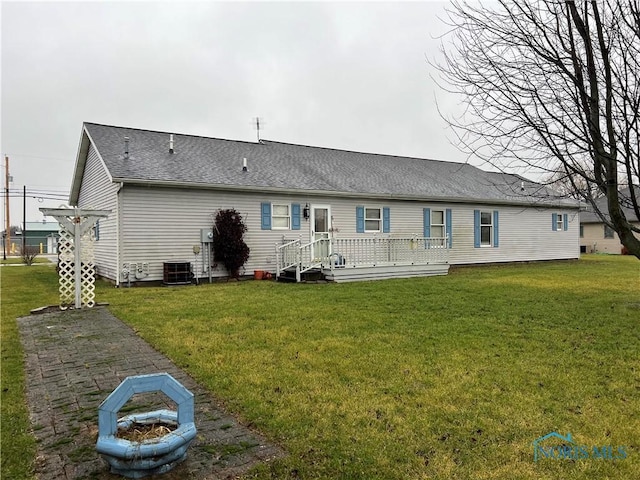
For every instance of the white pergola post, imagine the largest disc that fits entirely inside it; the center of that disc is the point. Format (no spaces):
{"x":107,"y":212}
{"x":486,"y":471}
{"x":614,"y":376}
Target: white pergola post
{"x":75,"y":224}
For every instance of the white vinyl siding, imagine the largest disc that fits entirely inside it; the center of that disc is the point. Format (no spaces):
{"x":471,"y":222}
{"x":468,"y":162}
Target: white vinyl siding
{"x":98,"y":192}
{"x":524,"y":232}
{"x":163,"y":224}
{"x":524,"y":236}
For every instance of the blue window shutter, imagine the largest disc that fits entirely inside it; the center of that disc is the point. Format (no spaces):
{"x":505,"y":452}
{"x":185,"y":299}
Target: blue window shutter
{"x":449,"y":230}
{"x":496,"y":232}
{"x":266,"y":216}
{"x":554,"y":222}
{"x":426,"y":215}
{"x":359,"y":219}
{"x":565,"y":222}
{"x":386,"y":221}
{"x":295,"y":216}
{"x":476,"y":228}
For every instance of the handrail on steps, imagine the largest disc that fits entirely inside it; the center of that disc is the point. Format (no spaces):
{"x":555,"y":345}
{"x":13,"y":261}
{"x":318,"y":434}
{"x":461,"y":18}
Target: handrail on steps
{"x":293,"y":254}
{"x":287,"y":256}
{"x":308,"y":252}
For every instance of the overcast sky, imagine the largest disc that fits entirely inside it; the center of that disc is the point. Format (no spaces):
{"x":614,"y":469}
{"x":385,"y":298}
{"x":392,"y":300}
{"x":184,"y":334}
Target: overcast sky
{"x":352,"y":76}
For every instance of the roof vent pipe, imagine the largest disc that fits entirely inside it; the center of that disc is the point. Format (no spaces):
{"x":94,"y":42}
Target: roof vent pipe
{"x":126,"y":147}
{"x":244,"y":164}
{"x":171,"y":143}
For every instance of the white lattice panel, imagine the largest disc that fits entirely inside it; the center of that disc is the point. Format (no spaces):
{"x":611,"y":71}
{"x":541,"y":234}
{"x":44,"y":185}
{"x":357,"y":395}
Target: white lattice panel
{"x":66,"y":268}
{"x":66,"y":280}
{"x":88,"y":293}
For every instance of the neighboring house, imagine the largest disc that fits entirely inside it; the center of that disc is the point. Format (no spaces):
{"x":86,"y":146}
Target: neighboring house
{"x":598,"y":237}
{"x":164,"y":190}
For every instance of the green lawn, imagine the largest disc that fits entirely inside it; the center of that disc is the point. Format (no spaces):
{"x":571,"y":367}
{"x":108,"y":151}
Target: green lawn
{"x":444,"y":377}
{"x":21,"y":289}
{"x":20,"y":261}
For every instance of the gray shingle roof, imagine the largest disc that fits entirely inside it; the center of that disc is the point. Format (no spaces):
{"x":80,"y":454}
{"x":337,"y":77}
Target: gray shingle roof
{"x":590,"y":216}
{"x":212,"y":162}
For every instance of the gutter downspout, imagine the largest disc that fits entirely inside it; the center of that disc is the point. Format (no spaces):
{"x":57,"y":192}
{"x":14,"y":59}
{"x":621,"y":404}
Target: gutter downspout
{"x":118,"y":263}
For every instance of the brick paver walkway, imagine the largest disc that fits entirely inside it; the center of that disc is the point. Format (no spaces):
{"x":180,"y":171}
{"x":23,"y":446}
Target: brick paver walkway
{"x":74,"y":359}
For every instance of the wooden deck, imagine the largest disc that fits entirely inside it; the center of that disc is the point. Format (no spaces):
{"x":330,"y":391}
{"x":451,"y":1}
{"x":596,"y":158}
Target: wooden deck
{"x":359,"y":259}
{"x":380,"y":272}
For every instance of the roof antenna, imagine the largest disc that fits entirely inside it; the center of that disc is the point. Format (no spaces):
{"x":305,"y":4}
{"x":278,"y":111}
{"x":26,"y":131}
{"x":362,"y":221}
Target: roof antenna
{"x":257,"y":123}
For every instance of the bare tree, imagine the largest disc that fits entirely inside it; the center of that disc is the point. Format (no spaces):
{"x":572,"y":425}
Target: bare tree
{"x":553,"y":86}
{"x":571,"y":186}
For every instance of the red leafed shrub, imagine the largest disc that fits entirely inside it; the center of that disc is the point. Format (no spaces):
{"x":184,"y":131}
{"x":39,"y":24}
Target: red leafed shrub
{"x":229,"y":248}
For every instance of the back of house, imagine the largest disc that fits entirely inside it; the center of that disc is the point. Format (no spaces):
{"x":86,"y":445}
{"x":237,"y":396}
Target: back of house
{"x":164,"y":190}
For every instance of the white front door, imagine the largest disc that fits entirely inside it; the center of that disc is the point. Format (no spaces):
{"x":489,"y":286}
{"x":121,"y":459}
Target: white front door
{"x":320,"y":228}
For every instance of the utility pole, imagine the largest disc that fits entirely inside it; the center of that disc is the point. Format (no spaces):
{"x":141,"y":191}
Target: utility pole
{"x":24,"y":220}
{"x":6,"y":204}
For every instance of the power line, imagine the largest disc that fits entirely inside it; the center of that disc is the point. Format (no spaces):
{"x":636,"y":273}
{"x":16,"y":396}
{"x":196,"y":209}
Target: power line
{"x":44,"y":197}
{"x":13,"y":155}
{"x":45,"y":192}
{"x":39,"y":190}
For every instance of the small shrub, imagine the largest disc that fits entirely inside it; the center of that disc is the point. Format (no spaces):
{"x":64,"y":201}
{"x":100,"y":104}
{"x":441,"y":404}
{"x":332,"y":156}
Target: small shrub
{"x":229,"y":248}
{"x":29,"y":255}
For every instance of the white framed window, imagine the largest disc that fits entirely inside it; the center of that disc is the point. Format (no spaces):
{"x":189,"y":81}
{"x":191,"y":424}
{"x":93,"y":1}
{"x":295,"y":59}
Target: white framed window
{"x":437,"y":224}
{"x":559,"y":222}
{"x":372,"y":219}
{"x":486,"y":228}
{"x":280,"y":217}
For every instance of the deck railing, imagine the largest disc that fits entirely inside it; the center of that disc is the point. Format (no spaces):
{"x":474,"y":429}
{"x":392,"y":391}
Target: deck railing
{"x":358,"y":252}
{"x":362,"y":252}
